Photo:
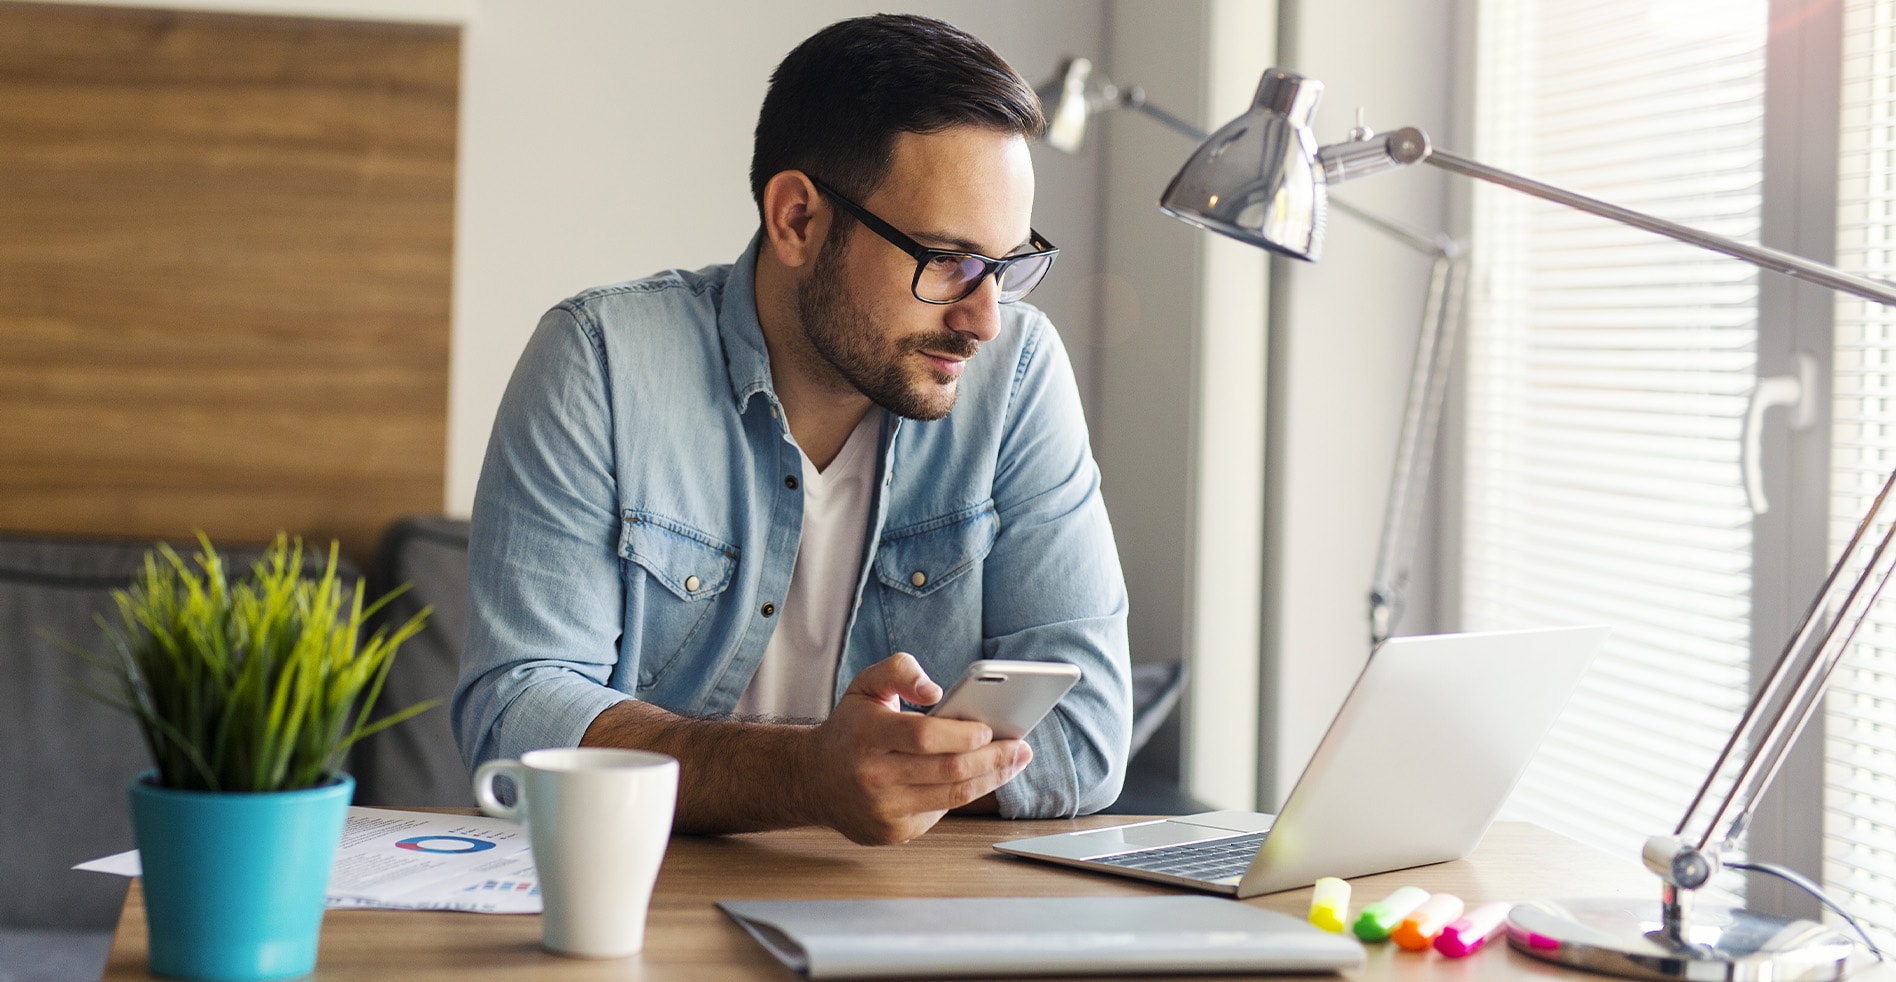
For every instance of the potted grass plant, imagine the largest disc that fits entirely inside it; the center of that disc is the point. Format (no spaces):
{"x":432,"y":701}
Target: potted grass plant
{"x":249,"y":690}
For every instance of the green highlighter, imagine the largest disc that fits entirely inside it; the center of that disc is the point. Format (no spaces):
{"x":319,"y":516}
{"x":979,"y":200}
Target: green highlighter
{"x":1380,"y":919}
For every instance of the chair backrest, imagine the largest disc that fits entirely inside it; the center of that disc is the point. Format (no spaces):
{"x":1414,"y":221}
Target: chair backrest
{"x":65,"y":758}
{"x":1156,"y":687}
{"x":416,"y":762}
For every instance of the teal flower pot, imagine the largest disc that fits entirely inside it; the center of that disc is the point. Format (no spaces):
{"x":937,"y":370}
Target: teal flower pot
{"x":234,"y":882}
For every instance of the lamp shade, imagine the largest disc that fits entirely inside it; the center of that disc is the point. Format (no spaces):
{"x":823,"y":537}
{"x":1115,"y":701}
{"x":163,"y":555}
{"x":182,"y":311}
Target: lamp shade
{"x":1063,"y":103}
{"x":1257,"y":178}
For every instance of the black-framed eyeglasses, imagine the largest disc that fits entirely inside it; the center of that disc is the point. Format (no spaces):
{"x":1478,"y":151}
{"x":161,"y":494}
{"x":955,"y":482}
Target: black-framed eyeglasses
{"x":945,"y":276}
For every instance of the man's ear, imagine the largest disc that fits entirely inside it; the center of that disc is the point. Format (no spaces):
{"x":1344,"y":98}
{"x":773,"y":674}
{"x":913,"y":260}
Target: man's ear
{"x":795,"y":219}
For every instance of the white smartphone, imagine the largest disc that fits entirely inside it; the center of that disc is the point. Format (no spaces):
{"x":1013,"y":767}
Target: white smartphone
{"x":1009,"y":696}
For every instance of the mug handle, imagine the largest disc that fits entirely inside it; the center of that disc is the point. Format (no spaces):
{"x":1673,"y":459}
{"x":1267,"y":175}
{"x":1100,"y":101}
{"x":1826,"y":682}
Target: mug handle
{"x":484,"y":789}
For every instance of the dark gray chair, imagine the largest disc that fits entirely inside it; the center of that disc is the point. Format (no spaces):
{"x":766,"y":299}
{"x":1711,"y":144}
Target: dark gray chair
{"x":65,"y":759}
{"x":416,"y":763}
{"x":1156,"y":688}
{"x":1152,"y":785}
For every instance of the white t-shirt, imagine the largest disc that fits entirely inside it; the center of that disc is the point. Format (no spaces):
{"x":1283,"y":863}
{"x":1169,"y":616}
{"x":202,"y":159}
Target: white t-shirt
{"x":797,"y":678}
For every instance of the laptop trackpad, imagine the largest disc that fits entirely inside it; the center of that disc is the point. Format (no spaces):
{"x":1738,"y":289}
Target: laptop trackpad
{"x":1148,"y":835}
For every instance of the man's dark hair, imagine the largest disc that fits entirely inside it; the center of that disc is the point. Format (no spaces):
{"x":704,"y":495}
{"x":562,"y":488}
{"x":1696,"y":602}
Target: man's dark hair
{"x":837,"y":103}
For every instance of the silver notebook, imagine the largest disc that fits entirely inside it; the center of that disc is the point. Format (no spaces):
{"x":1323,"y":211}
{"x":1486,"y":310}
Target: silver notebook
{"x":970,"y":937}
{"x":1429,"y":743}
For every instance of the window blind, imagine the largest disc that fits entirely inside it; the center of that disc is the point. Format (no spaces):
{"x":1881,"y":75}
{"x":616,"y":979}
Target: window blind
{"x":1607,"y":377}
{"x":1860,"y":711}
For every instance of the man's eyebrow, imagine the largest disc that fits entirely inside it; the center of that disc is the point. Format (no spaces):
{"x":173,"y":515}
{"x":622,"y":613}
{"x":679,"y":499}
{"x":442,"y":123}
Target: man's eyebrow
{"x":956,"y":243}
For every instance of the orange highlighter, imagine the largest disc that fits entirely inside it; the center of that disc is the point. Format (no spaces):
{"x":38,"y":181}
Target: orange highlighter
{"x":1418,"y":930}
{"x":1464,"y":937}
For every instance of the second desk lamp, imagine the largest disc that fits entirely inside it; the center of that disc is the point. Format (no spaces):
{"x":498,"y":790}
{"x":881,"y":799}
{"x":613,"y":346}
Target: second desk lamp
{"x":1077,"y":92}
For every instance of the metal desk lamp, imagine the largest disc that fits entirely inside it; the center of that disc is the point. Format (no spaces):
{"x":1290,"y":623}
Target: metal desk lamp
{"x":1263,"y":179}
{"x":1077,"y":92}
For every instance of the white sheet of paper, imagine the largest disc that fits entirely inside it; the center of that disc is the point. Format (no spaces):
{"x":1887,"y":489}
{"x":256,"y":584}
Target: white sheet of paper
{"x":402,"y":860}
{"x":120,"y":864}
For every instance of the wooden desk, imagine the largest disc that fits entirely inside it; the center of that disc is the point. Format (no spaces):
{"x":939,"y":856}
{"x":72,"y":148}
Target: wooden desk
{"x":687,"y":938}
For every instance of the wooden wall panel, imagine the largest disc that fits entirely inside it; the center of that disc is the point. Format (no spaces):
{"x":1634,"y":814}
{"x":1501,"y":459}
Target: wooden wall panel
{"x":225,"y":249}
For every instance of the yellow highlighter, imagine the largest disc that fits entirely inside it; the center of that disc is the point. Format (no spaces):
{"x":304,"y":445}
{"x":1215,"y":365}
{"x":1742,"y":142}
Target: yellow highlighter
{"x":1330,"y":904}
{"x":1382,"y":917}
{"x":1418,"y":930}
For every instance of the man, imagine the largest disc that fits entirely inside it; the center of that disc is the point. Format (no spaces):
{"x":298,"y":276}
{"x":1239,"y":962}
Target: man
{"x":813,"y":484}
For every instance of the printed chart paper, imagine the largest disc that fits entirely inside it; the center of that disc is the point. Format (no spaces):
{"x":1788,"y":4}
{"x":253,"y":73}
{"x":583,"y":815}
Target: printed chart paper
{"x":403,"y":860}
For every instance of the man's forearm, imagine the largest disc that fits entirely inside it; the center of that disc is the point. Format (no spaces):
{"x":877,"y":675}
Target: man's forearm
{"x":733,"y":777}
{"x":870,"y":771}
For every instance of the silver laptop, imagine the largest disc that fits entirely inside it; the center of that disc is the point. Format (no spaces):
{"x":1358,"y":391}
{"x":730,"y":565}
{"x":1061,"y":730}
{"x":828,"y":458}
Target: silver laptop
{"x":1429,"y":743}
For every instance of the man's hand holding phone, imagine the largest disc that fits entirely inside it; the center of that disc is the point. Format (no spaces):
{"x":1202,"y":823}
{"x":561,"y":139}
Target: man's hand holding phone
{"x":885,"y":776}
{"x":882,"y":776}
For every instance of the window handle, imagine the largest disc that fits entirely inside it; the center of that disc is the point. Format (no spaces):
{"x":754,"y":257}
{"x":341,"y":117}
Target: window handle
{"x":1795,"y":392}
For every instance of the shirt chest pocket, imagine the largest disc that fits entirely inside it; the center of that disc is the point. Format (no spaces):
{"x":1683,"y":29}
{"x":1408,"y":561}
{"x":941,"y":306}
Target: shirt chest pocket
{"x":925,"y":558}
{"x":675,"y":575}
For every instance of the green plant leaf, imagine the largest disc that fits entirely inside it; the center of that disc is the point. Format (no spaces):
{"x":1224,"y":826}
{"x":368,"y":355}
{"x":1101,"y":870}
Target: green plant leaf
{"x":261,"y":683}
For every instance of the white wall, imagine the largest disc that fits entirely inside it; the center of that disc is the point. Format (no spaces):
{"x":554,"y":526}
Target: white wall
{"x":1343,"y":333}
{"x":603,"y":140}
{"x":452,"y":12}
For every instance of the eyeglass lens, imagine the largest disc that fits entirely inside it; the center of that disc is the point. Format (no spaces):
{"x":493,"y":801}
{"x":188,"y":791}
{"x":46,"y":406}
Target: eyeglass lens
{"x":947,"y":277}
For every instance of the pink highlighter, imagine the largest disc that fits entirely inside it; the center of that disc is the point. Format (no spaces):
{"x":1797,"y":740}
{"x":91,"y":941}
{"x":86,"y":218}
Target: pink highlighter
{"x":1465,"y":936}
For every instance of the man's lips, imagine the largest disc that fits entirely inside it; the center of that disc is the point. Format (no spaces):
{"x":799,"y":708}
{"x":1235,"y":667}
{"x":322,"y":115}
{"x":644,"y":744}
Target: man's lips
{"x":946,"y":364}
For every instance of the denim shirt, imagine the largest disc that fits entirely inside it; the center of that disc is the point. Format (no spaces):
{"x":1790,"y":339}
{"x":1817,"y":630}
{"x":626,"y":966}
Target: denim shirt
{"x":635,"y":527}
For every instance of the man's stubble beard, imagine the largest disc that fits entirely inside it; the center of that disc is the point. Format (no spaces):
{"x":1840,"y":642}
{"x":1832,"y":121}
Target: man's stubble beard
{"x":844,"y":334}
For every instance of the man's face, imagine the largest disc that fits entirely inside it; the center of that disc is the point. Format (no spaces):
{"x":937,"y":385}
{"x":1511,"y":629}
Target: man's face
{"x":968,"y":189}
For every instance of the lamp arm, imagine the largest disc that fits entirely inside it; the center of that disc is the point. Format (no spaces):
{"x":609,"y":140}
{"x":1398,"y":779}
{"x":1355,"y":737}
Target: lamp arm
{"x":1441,"y":244}
{"x":1776,"y":716}
{"x":1134,"y":97}
{"x":1790,"y":695}
{"x":1771,"y":259}
{"x":1415,"y":451}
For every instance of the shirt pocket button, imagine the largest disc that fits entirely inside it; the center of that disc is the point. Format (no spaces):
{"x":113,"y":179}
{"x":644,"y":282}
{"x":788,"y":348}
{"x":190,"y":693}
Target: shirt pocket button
{"x":691,"y":584}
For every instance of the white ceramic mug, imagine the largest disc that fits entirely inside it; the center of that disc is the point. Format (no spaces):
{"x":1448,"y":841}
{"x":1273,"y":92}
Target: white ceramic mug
{"x":598,"y":820}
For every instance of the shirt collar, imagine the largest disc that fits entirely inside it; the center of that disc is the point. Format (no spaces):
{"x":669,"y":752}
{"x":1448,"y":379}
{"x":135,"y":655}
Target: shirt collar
{"x":745,"y":356}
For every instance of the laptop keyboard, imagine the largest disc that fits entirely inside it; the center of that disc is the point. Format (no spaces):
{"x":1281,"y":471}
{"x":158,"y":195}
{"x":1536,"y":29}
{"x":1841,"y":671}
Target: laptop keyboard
{"x":1213,"y":859}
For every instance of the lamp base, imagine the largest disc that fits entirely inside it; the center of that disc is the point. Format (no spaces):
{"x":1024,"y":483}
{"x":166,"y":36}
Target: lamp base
{"x":1730,"y":944}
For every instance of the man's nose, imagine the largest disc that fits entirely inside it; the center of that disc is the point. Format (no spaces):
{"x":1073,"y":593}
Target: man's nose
{"x":978,"y":315}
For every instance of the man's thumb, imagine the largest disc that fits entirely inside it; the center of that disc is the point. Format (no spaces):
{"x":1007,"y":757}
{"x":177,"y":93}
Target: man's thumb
{"x":898,"y":676}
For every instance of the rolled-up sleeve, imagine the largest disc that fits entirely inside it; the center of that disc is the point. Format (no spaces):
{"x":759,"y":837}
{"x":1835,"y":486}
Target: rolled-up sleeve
{"x":1054,"y":590}
{"x":545,"y":590}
